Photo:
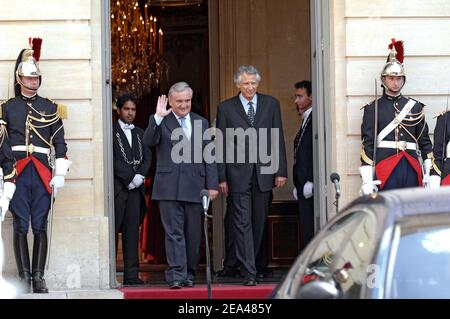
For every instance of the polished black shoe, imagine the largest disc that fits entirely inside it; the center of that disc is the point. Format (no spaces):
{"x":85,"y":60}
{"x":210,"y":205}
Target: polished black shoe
{"x":226,"y":272}
{"x":250,"y":281}
{"x":133,"y":282}
{"x":188,"y":283}
{"x":176,"y":284}
{"x":25,"y":283}
{"x":265,"y":273}
{"x":39,"y":286}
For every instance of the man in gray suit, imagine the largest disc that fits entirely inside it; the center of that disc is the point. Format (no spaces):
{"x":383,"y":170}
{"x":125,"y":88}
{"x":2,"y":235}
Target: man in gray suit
{"x":249,"y":182}
{"x":180,"y":176}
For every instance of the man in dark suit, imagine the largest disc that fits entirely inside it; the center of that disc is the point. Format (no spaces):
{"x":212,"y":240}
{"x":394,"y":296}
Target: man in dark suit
{"x":181,"y":173}
{"x":249,"y":180}
{"x":131,"y":165}
{"x":303,"y":161}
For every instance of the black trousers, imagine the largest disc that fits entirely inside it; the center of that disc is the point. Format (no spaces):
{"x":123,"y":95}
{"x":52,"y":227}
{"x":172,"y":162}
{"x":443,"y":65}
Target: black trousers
{"x":248,"y":216}
{"x":230,"y":261}
{"x":306,"y":217}
{"x":127,"y":216}
{"x":182,"y":222}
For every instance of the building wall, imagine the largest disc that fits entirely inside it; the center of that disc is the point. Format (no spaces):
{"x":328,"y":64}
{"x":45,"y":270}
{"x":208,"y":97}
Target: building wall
{"x":71,"y":67}
{"x":360,"y":34}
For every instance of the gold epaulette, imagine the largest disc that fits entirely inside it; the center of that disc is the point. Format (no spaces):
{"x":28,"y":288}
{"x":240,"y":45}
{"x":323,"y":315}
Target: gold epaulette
{"x":440,"y":113}
{"x":1,"y":106}
{"x":61,"y":109}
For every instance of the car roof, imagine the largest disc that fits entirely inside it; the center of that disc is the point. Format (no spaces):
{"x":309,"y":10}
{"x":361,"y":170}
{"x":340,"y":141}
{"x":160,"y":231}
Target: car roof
{"x":410,"y":201}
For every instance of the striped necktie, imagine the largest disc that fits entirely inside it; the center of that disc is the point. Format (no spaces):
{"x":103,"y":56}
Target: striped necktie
{"x":251,"y":113}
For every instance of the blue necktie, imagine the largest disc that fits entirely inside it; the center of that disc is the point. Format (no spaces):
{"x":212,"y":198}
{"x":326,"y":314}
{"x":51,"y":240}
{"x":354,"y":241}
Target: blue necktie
{"x":184,"y":126}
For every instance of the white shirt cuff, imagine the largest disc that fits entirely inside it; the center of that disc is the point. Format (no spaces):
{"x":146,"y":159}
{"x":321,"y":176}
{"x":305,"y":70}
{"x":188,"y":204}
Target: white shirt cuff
{"x":158,"y":119}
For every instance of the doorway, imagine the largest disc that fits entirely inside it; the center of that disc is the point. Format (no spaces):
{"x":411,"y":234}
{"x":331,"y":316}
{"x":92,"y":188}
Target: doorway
{"x":153,"y":45}
{"x":203,"y":45}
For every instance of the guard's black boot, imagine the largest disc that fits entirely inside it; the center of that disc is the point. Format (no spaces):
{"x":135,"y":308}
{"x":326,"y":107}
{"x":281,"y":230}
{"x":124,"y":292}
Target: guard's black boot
{"x":23,"y":261}
{"x":39,"y":258}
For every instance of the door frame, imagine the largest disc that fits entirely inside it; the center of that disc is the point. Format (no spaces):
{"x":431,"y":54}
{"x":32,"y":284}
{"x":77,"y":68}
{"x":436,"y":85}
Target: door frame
{"x":108,"y":168}
{"x":321,"y":91}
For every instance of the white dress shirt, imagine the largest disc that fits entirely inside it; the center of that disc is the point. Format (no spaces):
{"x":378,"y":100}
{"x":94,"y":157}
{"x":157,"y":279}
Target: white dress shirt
{"x":126,"y":128}
{"x":187,"y":130}
{"x":244,"y":102}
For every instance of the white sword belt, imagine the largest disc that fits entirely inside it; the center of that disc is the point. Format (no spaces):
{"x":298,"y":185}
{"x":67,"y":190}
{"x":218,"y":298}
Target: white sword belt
{"x":400,"y":145}
{"x":31,"y":149}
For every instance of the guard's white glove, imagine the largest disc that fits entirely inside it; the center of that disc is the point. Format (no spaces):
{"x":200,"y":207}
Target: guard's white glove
{"x":8,"y":192}
{"x":61,"y":168}
{"x":308,"y":190}
{"x":131,"y":186}
{"x":434,"y":182}
{"x":426,"y":173}
{"x":294,"y":193}
{"x":368,"y":184}
{"x":56,"y":182}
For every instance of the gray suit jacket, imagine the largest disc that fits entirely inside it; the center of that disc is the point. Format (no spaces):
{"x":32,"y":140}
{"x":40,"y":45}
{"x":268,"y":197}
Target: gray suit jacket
{"x":231,"y":114}
{"x":182,"y":181}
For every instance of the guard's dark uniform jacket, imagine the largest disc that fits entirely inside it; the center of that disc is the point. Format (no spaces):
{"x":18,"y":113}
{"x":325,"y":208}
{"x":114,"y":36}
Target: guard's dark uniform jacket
{"x":409,"y":139}
{"x":7,"y":161}
{"x":441,"y":149}
{"x":34,"y":125}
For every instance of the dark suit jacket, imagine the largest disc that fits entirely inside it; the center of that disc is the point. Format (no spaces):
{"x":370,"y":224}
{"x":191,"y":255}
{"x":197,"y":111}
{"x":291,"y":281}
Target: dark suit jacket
{"x":124,"y":172}
{"x":303,"y":168}
{"x":231,"y":114}
{"x":179,"y":181}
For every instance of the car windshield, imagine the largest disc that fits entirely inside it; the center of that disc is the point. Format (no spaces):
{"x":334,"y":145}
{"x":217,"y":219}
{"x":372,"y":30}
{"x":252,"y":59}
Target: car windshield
{"x":343,"y":253}
{"x":422,"y":262}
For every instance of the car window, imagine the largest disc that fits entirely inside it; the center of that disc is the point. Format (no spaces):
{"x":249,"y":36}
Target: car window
{"x":422,"y":261}
{"x":344,"y":252}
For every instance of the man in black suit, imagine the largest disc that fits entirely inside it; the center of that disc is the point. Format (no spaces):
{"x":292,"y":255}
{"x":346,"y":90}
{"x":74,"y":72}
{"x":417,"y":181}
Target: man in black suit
{"x":249,"y":180}
{"x":181,"y":173}
{"x":303,"y":161}
{"x":131,"y":164}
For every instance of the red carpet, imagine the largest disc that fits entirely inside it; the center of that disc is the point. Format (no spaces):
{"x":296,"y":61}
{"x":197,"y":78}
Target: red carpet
{"x":219,"y":291}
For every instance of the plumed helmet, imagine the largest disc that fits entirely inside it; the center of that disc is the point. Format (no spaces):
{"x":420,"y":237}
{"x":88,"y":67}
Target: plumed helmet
{"x":394,"y":64}
{"x":27,"y":63}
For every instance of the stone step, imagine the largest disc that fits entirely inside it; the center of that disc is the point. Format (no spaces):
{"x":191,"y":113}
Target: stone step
{"x":76,"y":294}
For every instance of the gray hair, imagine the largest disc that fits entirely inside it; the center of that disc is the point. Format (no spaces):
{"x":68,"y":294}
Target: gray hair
{"x":249,"y":69}
{"x":180,"y":87}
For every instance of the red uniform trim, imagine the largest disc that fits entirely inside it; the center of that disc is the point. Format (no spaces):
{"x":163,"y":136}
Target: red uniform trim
{"x":44,"y":172}
{"x":385,"y":168}
{"x":446,"y":181}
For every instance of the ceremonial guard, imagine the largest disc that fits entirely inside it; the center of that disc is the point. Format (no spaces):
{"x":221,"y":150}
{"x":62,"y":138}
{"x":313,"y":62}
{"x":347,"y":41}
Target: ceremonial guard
{"x":7,"y":172}
{"x":441,"y":147}
{"x":396,"y":124}
{"x":36,"y":135}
